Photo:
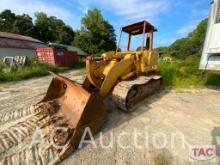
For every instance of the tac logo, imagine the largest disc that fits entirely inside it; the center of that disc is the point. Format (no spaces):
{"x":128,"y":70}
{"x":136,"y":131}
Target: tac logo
{"x":202,"y":153}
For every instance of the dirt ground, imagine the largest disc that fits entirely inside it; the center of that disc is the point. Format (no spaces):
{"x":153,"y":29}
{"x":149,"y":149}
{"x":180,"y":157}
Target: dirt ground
{"x":167,"y":123}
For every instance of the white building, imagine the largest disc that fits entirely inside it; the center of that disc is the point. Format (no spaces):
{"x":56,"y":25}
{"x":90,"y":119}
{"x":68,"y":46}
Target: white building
{"x":18,"y":45}
{"x":211,"y":52}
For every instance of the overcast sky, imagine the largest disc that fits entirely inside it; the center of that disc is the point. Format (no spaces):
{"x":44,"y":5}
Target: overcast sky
{"x":173,"y":18}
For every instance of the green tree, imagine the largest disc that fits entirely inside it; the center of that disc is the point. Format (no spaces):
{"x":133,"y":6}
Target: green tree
{"x":197,"y":37}
{"x":96,"y":34}
{"x":7,"y":19}
{"x":23,"y":25}
{"x":192,"y":44}
{"x":52,"y":29}
{"x":64,"y":34}
{"x":177,"y":49}
{"x":20,"y":24}
{"x":43,"y":29}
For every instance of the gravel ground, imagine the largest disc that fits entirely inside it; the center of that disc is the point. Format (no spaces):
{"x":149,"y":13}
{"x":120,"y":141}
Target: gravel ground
{"x":167,"y":123}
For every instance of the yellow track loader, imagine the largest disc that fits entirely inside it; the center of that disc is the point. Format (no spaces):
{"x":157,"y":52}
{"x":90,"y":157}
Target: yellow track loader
{"x":128,"y":76}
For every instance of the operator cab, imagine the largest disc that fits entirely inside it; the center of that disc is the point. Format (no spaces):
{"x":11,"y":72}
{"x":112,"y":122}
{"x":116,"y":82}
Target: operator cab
{"x":143,"y":28}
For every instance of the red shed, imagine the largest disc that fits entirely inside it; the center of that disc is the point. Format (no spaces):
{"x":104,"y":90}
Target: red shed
{"x":55,"y":56}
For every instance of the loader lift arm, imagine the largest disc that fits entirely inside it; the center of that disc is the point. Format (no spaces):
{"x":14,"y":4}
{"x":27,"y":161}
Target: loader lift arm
{"x":117,"y":66}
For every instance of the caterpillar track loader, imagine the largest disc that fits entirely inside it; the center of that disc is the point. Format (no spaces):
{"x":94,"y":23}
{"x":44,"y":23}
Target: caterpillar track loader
{"x":127,"y":76}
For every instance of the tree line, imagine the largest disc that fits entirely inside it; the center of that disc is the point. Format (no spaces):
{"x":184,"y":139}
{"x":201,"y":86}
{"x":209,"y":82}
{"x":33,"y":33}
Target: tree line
{"x":96,"y":35}
{"x":43,"y":28}
{"x":190,"y":45}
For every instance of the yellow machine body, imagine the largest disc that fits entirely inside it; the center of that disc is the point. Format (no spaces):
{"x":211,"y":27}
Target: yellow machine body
{"x":106,"y":73}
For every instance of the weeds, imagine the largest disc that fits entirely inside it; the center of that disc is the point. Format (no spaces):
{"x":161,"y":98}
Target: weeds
{"x":32,"y":69}
{"x":185,"y":73}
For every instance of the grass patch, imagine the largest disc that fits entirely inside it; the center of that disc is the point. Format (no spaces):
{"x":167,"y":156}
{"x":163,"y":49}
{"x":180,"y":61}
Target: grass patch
{"x":185,"y":73}
{"x":32,"y":69}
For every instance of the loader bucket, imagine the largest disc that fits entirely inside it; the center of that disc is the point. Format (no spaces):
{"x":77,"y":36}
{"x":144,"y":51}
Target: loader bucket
{"x":76,"y":109}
